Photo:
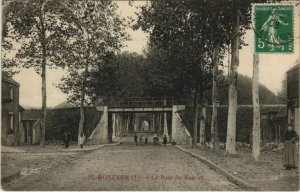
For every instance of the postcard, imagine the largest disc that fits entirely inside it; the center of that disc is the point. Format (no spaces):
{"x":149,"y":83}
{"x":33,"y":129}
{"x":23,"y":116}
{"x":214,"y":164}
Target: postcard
{"x":156,"y":95}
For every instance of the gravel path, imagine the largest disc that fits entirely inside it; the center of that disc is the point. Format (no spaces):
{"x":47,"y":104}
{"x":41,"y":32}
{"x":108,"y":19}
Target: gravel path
{"x":128,"y":167}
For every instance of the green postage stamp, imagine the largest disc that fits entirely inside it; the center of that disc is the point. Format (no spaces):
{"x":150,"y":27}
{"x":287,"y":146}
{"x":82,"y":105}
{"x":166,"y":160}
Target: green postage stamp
{"x":273,"y":28}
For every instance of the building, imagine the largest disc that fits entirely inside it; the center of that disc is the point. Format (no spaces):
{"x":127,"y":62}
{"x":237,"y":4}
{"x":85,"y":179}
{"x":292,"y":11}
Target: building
{"x":32,"y":125}
{"x":293,"y":76}
{"x":11,"y":125}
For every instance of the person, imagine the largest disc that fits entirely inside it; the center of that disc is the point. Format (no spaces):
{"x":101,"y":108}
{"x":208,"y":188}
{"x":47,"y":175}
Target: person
{"x":141,"y":140}
{"x":165,"y":140}
{"x":173,"y":142}
{"x":81,"y":140}
{"x":146,"y":140}
{"x":290,"y":150}
{"x":66,"y":139}
{"x":155,"y":139}
{"x":135,"y":139}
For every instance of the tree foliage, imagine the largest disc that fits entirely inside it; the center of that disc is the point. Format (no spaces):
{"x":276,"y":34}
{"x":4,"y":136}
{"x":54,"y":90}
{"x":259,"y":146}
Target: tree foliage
{"x":99,"y":35}
{"x":41,"y":28}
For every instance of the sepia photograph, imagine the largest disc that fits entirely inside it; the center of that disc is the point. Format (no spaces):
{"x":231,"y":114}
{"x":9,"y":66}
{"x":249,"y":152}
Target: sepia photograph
{"x":150,"y":95}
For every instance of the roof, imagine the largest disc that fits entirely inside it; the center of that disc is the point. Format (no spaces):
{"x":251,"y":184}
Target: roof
{"x":297,"y":66}
{"x":10,"y":80}
{"x":31,"y":114}
{"x":21,"y":108}
{"x":64,"y":104}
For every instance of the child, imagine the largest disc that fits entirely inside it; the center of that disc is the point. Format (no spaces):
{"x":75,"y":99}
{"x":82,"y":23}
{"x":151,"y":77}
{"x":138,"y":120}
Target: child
{"x":141,"y":140}
{"x":173,"y":142}
{"x":165,"y":140}
{"x":135,"y":139}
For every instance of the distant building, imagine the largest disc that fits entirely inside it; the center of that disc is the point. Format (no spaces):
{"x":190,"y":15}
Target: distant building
{"x":293,"y":76}
{"x":32,"y":126}
{"x":11,"y":125}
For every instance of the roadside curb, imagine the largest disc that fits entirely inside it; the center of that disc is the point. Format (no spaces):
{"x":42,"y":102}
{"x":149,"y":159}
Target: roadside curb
{"x":99,"y":147}
{"x":18,"y":173}
{"x":234,"y":179}
{"x":68,"y":150}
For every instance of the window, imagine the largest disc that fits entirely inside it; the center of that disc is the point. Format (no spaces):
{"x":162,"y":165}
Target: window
{"x":11,"y":92}
{"x":20,"y":117}
{"x":11,"y":122}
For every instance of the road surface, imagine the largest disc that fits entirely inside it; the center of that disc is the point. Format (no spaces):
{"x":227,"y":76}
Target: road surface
{"x":128,"y":167}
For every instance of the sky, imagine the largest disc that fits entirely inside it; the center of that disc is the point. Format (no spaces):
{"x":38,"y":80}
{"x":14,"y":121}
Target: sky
{"x":271,"y":70}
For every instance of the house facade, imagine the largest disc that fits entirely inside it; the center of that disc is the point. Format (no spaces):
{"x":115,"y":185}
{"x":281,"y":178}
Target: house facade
{"x":32,"y":126}
{"x":293,"y":89}
{"x":11,"y":113}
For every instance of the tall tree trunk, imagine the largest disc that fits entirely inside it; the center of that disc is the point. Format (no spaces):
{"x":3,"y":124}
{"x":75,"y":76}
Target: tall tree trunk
{"x":83,"y":89}
{"x":44,"y":100}
{"x":113,"y":125}
{"x":165,"y":121}
{"x":82,"y":98}
{"x":256,"y":108}
{"x":43,"y":75}
{"x":159,"y":124}
{"x":202,"y":125}
{"x":195,"y":121}
{"x":214,"y":120}
{"x":232,"y":103}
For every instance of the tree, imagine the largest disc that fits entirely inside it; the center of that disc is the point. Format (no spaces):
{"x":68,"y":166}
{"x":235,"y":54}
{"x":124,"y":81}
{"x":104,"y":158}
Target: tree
{"x":131,"y":71}
{"x":184,"y":30}
{"x":99,"y":36}
{"x":232,"y":103}
{"x":8,"y":64}
{"x":256,"y":108}
{"x":214,"y":121}
{"x":41,"y":28}
{"x":241,"y":18}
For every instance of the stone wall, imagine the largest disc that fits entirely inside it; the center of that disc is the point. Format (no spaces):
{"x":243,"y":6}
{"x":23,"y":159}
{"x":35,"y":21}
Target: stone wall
{"x":179,"y":131}
{"x":65,"y":119}
{"x":100,"y":134}
{"x":243,"y":124}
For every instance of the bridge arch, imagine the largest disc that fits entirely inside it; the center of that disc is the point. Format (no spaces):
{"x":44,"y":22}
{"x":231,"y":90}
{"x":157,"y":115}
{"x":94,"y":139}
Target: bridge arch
{"x":158,"y":116}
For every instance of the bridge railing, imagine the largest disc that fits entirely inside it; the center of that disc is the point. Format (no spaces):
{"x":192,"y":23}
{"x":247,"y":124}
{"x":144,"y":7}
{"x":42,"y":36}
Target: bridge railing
{"x":143,"y":102}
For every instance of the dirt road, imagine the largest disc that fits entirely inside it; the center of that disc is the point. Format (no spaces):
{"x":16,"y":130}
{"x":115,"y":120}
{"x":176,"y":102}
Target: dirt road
{"x":128,"y":167}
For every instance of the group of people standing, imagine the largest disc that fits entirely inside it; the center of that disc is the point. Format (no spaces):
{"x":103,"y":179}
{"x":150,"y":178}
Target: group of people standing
{"x":140,"y":141}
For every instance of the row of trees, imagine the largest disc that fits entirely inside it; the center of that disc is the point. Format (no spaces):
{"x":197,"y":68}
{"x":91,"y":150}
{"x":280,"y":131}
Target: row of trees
{"x":79,"y":36}
{"x":188,"y":41}
{"x":195,"y":35}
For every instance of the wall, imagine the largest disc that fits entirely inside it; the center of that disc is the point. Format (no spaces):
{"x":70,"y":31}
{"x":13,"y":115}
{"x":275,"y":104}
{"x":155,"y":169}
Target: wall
{"x":8,"y":137}
{"x":65,"y":119}
{"x":179,"y":131}
{"x":100,"y":134}
{"x":243,"y":124}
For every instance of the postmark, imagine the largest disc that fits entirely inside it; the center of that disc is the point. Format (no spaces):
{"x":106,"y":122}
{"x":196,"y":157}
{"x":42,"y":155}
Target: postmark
{"x":273,"y":27}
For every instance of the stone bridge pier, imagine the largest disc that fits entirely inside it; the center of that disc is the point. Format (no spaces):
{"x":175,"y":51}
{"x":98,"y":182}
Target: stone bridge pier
{"x":114,"y":124}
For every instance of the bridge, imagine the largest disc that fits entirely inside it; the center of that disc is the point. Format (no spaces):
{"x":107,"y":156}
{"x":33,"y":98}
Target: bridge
{"x":141,"y":116}
{"x":140,"y":104}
